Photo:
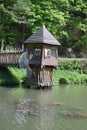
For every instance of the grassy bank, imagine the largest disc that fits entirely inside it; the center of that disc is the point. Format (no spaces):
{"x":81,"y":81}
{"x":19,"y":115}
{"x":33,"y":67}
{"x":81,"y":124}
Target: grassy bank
{"x":11,"y":75}
{"x":69,"y":71}
{"x":69,"y":77}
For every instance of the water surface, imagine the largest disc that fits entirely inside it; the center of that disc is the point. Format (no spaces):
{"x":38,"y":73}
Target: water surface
{"x":47,"y":114}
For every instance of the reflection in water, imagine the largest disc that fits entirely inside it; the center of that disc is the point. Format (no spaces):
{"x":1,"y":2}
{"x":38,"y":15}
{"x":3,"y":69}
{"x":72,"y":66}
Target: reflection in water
{"x":49,"y":104}
{"x":16,"y":93}
{"x":46,"y":113}
{"x":20,"y":118}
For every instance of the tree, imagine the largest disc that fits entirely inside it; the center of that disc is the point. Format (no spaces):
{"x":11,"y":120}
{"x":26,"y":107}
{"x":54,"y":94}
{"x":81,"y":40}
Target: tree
{"x":6,"y":30}
{"x":65,"y":19}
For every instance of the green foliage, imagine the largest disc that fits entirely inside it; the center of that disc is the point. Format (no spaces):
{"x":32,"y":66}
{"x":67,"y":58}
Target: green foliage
{"x":66,"y":19}
{"x":69,"y":77}
{"x":63,"y":81}
{"x":6,"y":29}
{"x":73,"y":64}
{"x":11,"y":75}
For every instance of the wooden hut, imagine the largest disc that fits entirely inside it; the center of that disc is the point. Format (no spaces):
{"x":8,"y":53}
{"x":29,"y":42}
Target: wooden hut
{"x":43,"y":53}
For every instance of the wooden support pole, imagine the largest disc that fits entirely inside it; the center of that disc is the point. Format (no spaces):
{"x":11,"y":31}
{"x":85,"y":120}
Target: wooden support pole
{"x":2,"y":45}
{"x":22,"y":47}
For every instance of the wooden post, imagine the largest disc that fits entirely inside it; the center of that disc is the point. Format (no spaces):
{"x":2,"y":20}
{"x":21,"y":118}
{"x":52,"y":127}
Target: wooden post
{"x":2,"y":45}
{"x":45,"y":77}
{"x":22,"y":47}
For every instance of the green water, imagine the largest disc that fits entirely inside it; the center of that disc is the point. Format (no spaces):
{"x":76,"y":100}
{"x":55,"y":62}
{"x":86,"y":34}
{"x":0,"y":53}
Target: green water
{"x":48,"y":116}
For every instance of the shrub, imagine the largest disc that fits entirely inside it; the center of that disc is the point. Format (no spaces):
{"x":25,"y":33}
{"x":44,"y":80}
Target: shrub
{"x":79,"y":64}
{"x":69,"y":77}
{"x":63,"y":81}
{"x":85,"y":80}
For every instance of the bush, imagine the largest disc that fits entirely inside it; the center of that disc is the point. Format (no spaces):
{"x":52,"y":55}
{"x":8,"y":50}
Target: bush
{"x":79,"y":64}
{"x":63,"y":81}
{"x":86,"y":80}
{"x":68,"y":77}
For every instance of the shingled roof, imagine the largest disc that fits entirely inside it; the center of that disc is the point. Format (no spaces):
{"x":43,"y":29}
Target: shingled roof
{"x":42,"y":36}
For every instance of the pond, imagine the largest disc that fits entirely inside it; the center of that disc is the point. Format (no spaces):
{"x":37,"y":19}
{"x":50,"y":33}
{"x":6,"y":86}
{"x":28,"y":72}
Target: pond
{"x":44,"y":109}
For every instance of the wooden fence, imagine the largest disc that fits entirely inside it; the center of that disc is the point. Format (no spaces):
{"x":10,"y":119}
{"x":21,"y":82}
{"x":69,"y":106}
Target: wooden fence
{"x":10,"y":58}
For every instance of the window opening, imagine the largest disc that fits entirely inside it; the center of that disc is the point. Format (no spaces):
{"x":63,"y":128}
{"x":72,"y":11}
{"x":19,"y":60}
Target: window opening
{"x":53,"y":53}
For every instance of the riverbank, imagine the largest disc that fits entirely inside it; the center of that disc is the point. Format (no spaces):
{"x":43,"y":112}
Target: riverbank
{"x":11,"y":75}
{"x":70,"y":71}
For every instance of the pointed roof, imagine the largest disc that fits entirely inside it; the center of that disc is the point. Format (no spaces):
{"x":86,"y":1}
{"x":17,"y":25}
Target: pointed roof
{"x":42,"y":36}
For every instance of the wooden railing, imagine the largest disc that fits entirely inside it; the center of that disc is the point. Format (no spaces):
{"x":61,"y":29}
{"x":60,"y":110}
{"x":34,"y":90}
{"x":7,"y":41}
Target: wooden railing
{"x":10,"y":57}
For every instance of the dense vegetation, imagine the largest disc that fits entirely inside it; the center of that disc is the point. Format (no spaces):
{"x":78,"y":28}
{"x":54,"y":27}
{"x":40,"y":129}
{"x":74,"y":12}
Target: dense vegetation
{"x":77,"y":64}
{"x":71,"y":71}
{"x":66,"y":19}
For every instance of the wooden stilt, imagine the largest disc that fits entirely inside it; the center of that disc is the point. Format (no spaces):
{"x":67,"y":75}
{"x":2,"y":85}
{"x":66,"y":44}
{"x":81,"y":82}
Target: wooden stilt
{"x":42,"y":77}
{"x":2,"y":45}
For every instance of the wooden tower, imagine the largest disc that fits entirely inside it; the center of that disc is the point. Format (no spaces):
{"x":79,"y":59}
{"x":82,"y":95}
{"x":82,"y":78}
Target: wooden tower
{"x":43,"y":54}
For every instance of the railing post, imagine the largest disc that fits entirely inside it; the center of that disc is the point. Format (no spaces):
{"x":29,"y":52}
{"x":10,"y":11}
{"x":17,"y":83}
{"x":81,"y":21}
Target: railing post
{"x":2,"y":45}
{"x":22,"y":47}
